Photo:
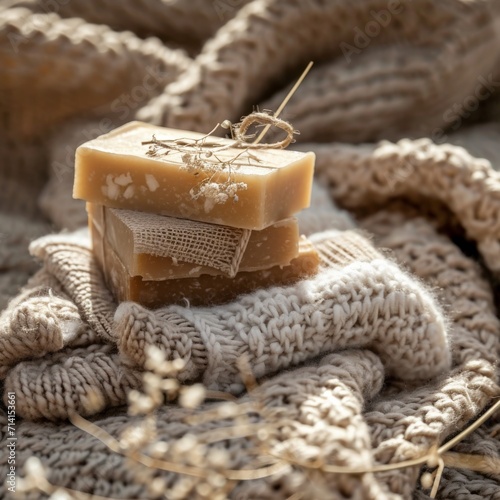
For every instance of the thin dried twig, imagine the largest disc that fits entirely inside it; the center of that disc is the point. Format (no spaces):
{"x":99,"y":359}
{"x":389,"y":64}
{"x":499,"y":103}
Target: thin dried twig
{"x":114,"y":445}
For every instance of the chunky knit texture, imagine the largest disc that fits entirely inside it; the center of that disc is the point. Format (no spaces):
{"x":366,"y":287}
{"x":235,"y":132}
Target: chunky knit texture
{"x":388,"y":351}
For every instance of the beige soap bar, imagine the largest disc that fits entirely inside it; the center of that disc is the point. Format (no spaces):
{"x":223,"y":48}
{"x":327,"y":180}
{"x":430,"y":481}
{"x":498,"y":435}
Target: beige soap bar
{"x":126,"y":231}
{"x":201,"y":291}
{"x":114,"y":170}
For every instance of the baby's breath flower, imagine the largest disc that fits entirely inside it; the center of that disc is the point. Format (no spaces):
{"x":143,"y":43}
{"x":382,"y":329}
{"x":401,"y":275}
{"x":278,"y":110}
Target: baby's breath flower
{"x":60,"y":495}
{"x":218,"y":458}
{"x":231,"y":189}
{"x":204,"y":490}
{"x":152,"y":381}
{"x":217,"y":480}
{"x":221,"y":198}
{"x":182,"y":488}
{"x":158,"y":449}
{"x":157,"y":487}
{"x":34,"y":468}
{"x":154,"y":357}
{"x":185,"y":444}
{"x":140,"y":404}
{"x":178,"y":364}
{"x":197,"y":156}
{"x":191,"y":397}
{"x":138,"y":435}
{"x":426,"y":480}
{"x":170,"y":386}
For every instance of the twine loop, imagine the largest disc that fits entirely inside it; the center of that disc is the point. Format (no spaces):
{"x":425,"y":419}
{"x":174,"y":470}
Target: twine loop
{"x":257,"y":117}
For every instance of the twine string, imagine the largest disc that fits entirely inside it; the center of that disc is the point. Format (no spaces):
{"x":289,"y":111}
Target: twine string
{"x":265,"y":119}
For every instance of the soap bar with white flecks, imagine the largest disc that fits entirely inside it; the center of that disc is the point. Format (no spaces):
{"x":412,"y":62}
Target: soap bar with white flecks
{"x":204,"y":290}
{"x":157,"y":247}
{"x":254,"y":188}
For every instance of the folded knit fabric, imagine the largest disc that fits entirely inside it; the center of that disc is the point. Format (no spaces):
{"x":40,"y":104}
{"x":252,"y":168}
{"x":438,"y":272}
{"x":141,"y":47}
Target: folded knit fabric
{"x":401,"y":424}
{"x":474,"y":335}
{"x":360,"y":299}
{"x":351,"y":379}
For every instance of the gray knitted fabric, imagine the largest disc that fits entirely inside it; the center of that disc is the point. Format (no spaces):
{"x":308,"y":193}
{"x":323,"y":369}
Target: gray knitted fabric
{"x":390,"y":350}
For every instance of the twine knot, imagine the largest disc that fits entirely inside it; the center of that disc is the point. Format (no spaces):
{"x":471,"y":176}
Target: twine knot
{"x":257,"y":117}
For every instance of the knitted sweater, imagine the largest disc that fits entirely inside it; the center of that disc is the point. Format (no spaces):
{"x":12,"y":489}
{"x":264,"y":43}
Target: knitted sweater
{"x":380,"y":358}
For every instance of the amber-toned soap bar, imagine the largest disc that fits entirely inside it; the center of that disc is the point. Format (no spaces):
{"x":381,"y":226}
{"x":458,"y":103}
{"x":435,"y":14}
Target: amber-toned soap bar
{"x":204,"y":290}
{"x":276,"y":245}
{"x":115,"y":170}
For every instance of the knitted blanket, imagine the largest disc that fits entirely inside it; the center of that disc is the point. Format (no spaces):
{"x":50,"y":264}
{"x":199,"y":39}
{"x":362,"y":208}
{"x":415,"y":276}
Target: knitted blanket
{"x":344,"y":385}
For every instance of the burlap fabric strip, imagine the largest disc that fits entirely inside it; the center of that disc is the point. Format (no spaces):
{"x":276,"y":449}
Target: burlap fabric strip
{"x":202,"y":244}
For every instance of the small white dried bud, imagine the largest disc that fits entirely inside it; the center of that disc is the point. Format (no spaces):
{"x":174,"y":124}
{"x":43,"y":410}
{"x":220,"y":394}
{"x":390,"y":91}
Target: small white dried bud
{"x":210,"y":190}
{"x":152,"y":381}
{"x":178,"y":364}
{"x":182,"y":488}
{"x":204,"y":490}
{"x":135,"y":436}
{"x":157,"y":487}
{"x":231,"y":190}
{"x":227,"y":410}
{"x":60,"y":495}
{"x":34,"y":468}
{"x":218,"y":458}
{"x":154,"y":357}
{"x":170,"y":368}
{"x":185,"y":444}
{"x":192,"y":396}
{"x":426,"y":480}
{"x":158,"y":449}
{"x":141,"y":404}
{"x":221,"y":198}
{"x":217,"y":480}
{"x":433,"y":460}
{"x":262,"y":435}
{"x":170,"y":385}
{"x":94,"y":400}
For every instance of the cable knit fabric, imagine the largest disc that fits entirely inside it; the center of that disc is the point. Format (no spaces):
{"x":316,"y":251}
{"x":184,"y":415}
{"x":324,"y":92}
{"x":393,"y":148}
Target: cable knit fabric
{"x":385,"y":354}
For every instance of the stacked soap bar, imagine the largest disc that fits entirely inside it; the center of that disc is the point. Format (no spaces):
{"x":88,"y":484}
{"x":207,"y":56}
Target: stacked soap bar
{"x":203,"y":290}
{"x":141,"y":241}
{"x":115,"y":171}
{"x":161,"y":241}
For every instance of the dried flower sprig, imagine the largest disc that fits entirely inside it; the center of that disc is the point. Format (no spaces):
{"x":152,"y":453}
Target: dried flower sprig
{"x":205,"y":471}
{"x":205,"y":156}
{"x":200,"y":155}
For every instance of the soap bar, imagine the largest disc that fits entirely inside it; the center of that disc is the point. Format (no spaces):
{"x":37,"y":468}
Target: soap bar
{"x":127,"y":231}
{"x":204,"y":290}
{"x":268,"y":185}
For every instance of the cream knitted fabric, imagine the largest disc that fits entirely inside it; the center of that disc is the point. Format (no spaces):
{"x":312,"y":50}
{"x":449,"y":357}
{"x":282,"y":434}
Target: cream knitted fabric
{"x":323,"y":214}
{"x":67,"y":59}
{"x":16,"y":264}
{"x":474,"y":337}
{"x":360,"y":299}
{"x":396,"y":80}
{"x":351,"y":307}
{"x":418,"y":169}
{"x":185,"y":23}
{"x":350,"y":378}
{"x":443,"y":73}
